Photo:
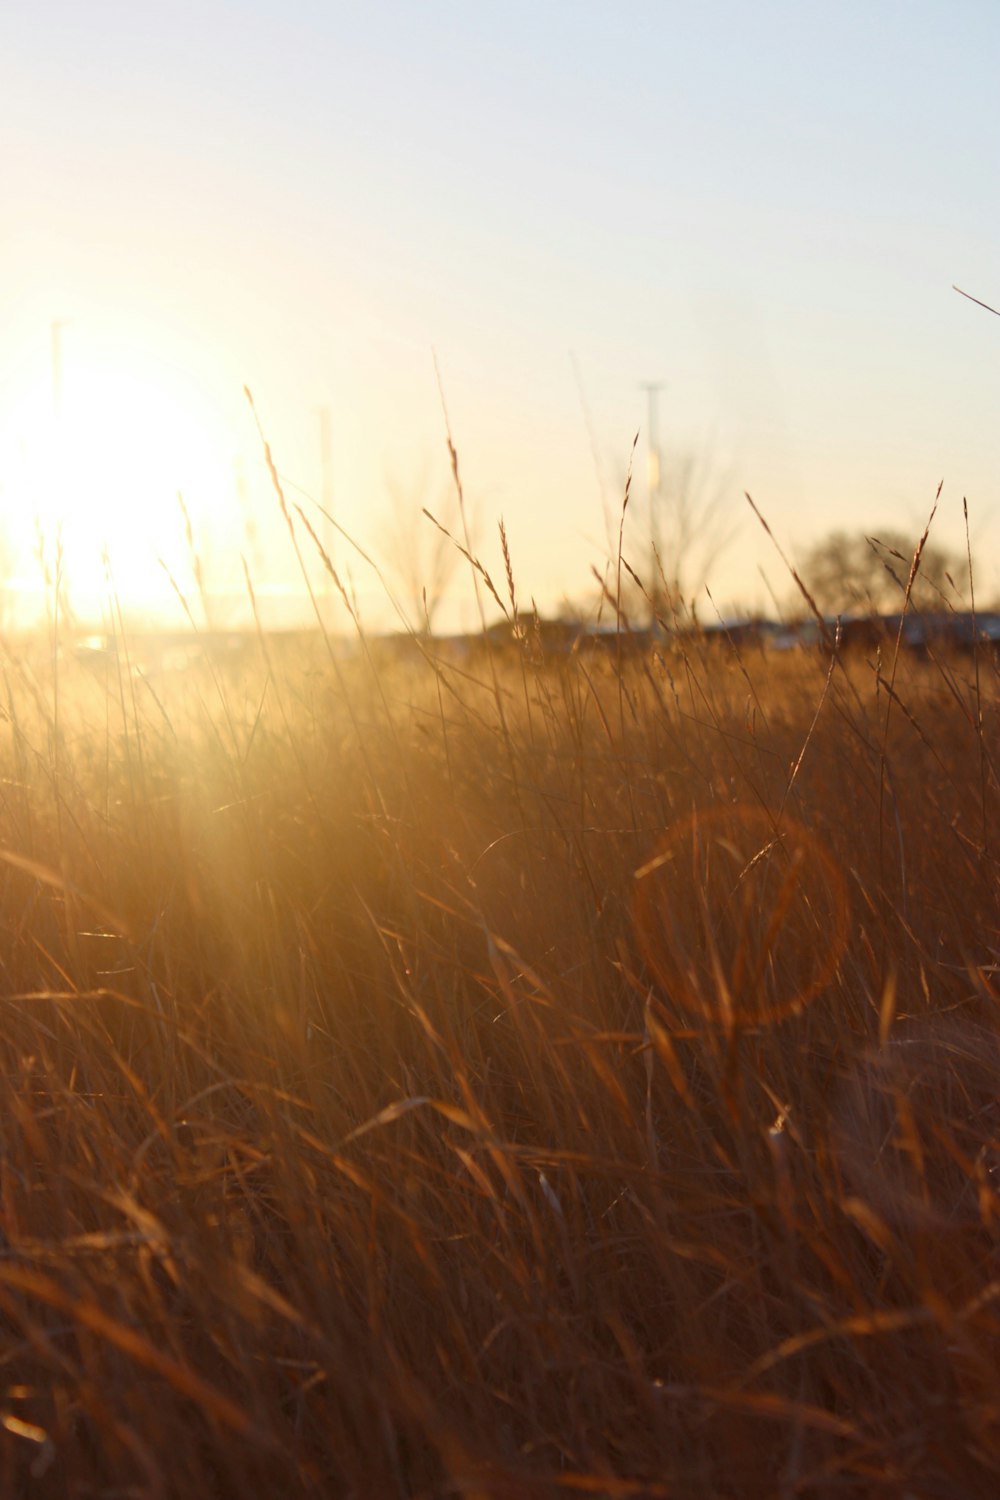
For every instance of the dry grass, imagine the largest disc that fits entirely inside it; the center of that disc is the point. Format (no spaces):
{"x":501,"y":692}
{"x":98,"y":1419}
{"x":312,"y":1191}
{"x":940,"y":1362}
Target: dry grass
{"x":369,"y":1127}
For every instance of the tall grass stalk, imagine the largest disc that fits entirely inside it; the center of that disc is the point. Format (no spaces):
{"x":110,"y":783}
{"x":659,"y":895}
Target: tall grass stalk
{"x":512,"y":1072}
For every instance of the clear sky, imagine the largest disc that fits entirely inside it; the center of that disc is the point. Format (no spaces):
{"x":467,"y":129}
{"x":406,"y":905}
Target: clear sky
{"x":764,"y":206}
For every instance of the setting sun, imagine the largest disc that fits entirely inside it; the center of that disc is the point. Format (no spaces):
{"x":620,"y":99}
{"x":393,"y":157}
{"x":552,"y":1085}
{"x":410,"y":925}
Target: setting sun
{"x":100,"y":448}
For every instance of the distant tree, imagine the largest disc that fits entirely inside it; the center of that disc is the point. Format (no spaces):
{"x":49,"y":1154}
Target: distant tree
{"x":693,"y":527}
{"x":674,"y":539}
{"x":420,"y":556}
{"x":851,"y":573}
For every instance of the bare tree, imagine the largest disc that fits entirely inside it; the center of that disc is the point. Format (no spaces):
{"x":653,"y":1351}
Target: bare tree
{"x":694,"y":525}
{"x":674,"y":539}
{"x":419,"y":555}
{"x":851,"y":573}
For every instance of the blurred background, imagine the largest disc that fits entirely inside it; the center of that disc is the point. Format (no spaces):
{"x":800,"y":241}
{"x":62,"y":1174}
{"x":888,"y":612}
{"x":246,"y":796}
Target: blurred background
{"x":732,"y":231}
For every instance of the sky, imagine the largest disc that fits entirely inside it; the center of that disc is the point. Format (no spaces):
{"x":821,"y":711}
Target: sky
{"x":505,"y":218}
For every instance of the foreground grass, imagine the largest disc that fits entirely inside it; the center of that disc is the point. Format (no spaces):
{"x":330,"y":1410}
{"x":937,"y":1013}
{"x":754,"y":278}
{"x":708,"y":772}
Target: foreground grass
{"x":500,"y":1078}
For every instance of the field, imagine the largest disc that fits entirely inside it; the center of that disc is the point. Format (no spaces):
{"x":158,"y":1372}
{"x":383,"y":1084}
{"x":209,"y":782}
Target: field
{"x":516,"y":1075}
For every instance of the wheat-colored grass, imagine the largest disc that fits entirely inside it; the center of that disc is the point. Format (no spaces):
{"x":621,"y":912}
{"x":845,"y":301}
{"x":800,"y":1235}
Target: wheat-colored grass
{"x":499,"y":1077}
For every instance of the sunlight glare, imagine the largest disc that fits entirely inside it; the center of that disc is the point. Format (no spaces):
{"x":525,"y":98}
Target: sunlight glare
{"x":99,"y":459}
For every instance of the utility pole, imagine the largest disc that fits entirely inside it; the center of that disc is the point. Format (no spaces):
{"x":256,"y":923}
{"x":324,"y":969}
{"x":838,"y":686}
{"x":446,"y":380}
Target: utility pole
{"x":654,"y":479}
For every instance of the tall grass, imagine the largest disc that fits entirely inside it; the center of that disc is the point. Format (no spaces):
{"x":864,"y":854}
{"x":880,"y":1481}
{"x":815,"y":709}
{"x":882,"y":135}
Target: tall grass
{"x":504,"y":1076}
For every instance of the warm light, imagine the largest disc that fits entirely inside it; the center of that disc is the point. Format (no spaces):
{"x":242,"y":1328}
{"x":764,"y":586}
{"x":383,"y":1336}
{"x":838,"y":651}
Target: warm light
{"x":95,"y":457}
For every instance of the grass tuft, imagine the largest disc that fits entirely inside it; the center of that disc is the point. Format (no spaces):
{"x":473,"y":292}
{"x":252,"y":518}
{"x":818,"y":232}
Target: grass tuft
{"x":517,"y":1073}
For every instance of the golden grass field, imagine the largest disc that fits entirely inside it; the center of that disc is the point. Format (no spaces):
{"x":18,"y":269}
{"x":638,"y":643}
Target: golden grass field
{"x":513,"y":1076}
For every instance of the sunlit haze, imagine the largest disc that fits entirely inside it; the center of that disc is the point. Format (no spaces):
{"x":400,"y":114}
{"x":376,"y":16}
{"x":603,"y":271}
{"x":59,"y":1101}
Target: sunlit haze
{"x":764,"y":208}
